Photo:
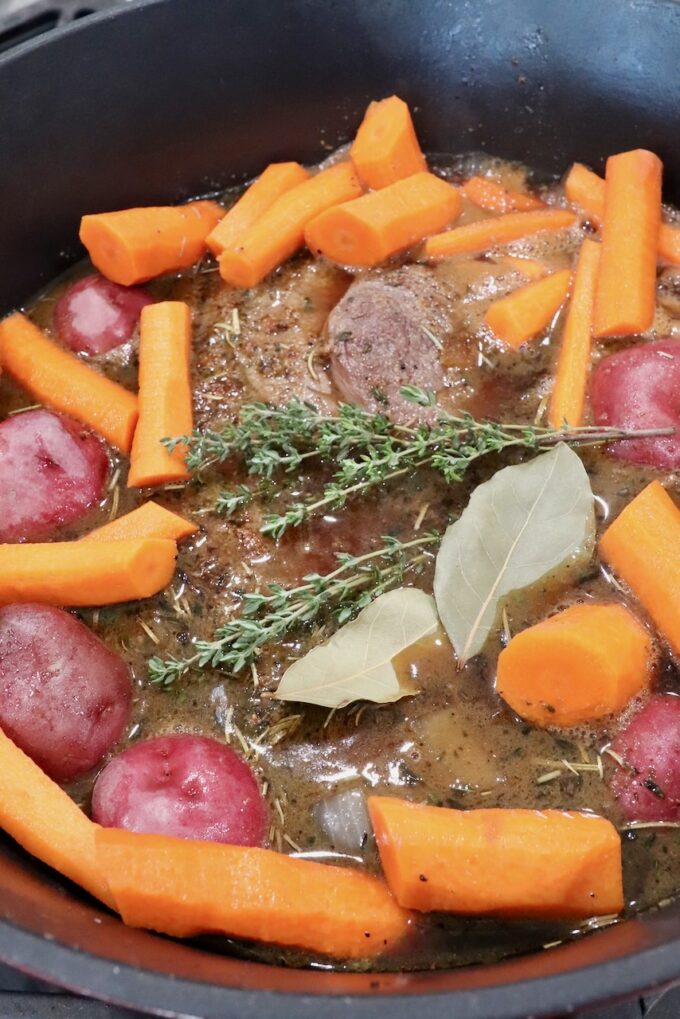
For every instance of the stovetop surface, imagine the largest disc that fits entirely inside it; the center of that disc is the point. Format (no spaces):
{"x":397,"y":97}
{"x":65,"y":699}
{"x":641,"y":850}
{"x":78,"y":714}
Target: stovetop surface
{"x":24,"y":998}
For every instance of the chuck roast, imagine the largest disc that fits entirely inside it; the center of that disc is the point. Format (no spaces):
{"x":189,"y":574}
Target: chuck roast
{"x":387,"y":332}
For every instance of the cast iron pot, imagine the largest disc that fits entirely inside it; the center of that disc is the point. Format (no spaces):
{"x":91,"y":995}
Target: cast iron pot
{"x":173,"y":98}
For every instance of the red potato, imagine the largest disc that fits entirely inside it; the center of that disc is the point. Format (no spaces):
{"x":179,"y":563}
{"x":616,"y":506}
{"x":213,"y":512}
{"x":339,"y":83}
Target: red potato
{"x":51,"y":471}
{"x":640,"y":388}
{"x":191,"y":787}
{"x":64,"y":696}
{"x":95,"y":315}
{"x":648,"y":788}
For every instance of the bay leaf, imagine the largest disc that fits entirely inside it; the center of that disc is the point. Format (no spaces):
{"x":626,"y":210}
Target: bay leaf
{"x":518,"y":528}
{"x":356,"y":663}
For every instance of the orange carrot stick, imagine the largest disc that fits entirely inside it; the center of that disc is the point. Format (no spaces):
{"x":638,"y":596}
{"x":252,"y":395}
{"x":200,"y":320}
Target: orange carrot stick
{"x":529,"y":266}
{"x":65,"y":382}
{"x":182,"y":887}
{"x":495,"y":862}
{"x":42,"y":818}
{"x":581,"y":664}
{"x":489,"y":194}
{"x":526,"y":312}
{"x":135,"y":245}
{"x":386,"y":148}
{"x":641,"y":546}
{"x":625,"y":293}
{"x":571,"y":379}
{"x":73,"y":573}
{"x":273,"y":182}
{"x":585,"y":188}
{"x":490,"y":233}
{"x":368,"y":230}
{"x":669,"y":243}
{"x":279,"y":232}
{"x":165,"y":403}
{"x":147,"y":521}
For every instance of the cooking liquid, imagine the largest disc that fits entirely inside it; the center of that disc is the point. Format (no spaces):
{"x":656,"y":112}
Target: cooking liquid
{"x":455,"y":743}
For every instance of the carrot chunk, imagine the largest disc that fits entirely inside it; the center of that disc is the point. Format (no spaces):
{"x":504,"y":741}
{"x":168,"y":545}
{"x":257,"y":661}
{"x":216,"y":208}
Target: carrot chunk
{"x":134,"y":245}
{"x":492,"y":232}
{"x":625,"y":292}
{"x":42,"y":818}
{"x":489,"y":194}
{"x":546,"y":864}
{"x":669,"y":243}
{"x":165,"y":401}
{"x":571,"y":379}
{"x":531,"y":268}
{"x":581,"y":664}
{"x":585,"y":188}
{"x":147,"y":521}
{"x":66,"y":383}
{"x":386,"y":148}
{"x":182,"y":887}
{"x":368,"y":230}
{"x":641,"y":546}
{"x":523,"y":314}
{"x":273,"y":182}
{"x":279,"y":232}
{"x":70,"y":573}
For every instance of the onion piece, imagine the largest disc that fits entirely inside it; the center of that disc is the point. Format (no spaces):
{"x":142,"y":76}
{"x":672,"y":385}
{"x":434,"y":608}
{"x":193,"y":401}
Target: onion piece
{"x":343,"y":817}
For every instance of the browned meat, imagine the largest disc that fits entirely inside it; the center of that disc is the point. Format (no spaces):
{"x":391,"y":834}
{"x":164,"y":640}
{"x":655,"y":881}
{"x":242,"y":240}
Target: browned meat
{"x":387,"y":332}
{"x":277,"y":354}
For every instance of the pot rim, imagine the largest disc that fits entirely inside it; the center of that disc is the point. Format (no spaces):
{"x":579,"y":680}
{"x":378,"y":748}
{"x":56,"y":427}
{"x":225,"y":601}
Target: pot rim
{"x":564,"y":989}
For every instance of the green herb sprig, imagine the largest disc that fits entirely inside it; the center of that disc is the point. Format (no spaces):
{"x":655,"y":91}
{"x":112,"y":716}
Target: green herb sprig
{"x":268,"y":616}
{"x":367,"y":449}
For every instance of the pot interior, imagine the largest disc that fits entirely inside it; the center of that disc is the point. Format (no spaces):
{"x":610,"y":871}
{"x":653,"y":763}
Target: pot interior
{"x":169,"y":99}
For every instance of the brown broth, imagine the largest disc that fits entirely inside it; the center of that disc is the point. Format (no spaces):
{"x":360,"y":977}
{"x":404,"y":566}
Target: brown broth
{"x":455,"y":743}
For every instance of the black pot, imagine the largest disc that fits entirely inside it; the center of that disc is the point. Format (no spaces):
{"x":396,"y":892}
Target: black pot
{"x":172,"y":98}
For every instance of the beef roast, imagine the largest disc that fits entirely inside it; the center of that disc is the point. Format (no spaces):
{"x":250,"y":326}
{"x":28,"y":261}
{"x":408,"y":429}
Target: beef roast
{"x":387,"y":332}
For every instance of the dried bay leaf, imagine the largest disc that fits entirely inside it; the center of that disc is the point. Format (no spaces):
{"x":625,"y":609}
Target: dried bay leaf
{"x":518,"y":528}
{"x":356,"y":663}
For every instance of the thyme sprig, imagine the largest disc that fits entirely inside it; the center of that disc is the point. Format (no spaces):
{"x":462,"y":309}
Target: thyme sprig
{"x":368,"y":450}
{"x":269,"y":616}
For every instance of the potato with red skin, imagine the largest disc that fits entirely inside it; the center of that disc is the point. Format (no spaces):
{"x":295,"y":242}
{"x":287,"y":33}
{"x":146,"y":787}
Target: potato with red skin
{"x":640,"y":388}
{"x":95,"y":315}
{"x":52,"y":470}
{"x":188,"y":786}
{"x":64,"y":695}
{"x":648,"y":786}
